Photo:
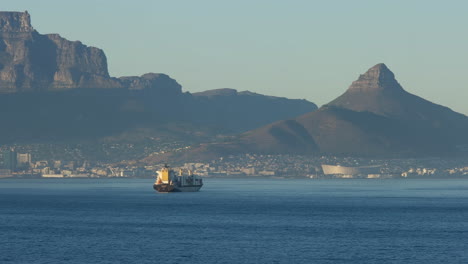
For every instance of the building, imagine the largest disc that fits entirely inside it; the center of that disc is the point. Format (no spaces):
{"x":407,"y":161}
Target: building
{"x":10,"y":161}
{"x":23,"y":159}
{"x":249,"y":171}
{"x":351,"y":172}
{"x":52,"y":175}
{"x":57,"y":164}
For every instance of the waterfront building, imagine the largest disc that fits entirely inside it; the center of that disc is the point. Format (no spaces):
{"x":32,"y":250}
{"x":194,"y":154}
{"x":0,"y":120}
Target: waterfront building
{"x":351,"y":172}
{"x":10,"y":159}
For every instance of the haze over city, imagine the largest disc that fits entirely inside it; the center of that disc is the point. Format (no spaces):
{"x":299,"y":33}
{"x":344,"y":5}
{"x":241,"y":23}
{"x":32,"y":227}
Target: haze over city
{"x":233,"y":131}
{"x":295,"y":49}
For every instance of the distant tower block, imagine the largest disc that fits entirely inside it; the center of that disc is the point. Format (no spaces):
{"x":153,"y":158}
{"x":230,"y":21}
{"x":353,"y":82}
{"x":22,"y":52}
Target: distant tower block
{"x":10,"y":159}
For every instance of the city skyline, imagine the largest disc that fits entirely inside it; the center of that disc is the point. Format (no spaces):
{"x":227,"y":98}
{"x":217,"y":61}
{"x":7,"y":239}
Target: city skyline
{"x":299,"y":49}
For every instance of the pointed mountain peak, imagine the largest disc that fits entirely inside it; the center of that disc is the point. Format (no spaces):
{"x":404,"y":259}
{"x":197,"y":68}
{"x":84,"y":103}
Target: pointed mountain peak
{"x":379,"y":71}
{"x":378,"y":77}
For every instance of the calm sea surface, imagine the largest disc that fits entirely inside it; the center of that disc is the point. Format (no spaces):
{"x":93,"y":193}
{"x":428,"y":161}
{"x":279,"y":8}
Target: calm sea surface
{"x":234,"y":221}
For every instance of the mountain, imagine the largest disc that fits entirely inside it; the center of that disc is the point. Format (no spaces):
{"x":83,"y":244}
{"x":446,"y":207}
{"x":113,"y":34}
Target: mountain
{"x":56,"y":90}
{"x":96,"y":113}
{"x":378,"y":92}
{"x":226,"y":105}
{"x":374,"y":117}
{"x":30,"y":61}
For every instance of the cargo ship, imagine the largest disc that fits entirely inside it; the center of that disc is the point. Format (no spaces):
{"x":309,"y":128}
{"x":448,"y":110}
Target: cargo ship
{"x":169,"y":181}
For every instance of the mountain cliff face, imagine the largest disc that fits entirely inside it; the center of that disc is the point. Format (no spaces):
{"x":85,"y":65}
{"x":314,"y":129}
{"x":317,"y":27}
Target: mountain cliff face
{"x":54,"y":89}
{"x":30,"y":61}
{"x":15,"y":22}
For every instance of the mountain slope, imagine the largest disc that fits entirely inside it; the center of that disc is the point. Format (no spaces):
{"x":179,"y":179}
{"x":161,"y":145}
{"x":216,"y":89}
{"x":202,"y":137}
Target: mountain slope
{"x":374,"y":117}
{"x":378,"y":92}
{"x":225,"y":106}
{"x":377,"y":116}
{"x":53,"y":89}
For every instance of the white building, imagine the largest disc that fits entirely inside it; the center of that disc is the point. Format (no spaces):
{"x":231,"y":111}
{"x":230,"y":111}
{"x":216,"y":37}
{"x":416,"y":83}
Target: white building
{"x":351,"y":172}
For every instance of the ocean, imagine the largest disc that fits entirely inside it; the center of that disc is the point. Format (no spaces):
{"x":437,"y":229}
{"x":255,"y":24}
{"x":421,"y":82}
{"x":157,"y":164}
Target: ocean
{"x":234,"y":221}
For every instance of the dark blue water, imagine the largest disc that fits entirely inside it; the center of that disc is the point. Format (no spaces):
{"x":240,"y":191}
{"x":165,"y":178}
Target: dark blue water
{"x":234,"y":221}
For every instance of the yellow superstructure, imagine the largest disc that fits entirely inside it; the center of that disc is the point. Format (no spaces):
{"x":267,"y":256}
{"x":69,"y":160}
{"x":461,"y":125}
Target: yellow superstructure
{"x":165,"y":175}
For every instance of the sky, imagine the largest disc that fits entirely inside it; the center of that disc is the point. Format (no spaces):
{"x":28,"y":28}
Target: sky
{"x":302,"y":49}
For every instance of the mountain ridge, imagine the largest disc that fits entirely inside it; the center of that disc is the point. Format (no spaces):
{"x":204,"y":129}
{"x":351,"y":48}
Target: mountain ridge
{"x":53,"y":89}
{"x":374,"y":117}
{"x":32,"y":62}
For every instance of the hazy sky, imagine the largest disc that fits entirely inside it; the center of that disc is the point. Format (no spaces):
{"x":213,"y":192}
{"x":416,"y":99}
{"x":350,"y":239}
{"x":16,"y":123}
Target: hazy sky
{"x":291,"y":48}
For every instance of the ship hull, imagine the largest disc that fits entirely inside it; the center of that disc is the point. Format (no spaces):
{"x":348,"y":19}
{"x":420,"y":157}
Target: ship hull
{"x":164,"y":187}
{"x":193,"y":188}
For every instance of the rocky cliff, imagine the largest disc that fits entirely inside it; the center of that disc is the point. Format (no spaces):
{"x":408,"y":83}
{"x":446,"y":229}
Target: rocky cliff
{"x":15,"y":22}
{"x":30,"y":61}
{"x":45,"y":94}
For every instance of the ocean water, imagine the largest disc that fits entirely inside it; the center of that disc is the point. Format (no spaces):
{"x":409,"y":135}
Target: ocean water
{"x":234,"y":221}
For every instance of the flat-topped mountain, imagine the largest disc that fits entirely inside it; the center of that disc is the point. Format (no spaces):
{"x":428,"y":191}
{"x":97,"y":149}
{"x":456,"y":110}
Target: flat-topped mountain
{"x":374,"y":117}
{"x":30,"y":61}
{"x":55,"y":89}
{"x":15,"y":22}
